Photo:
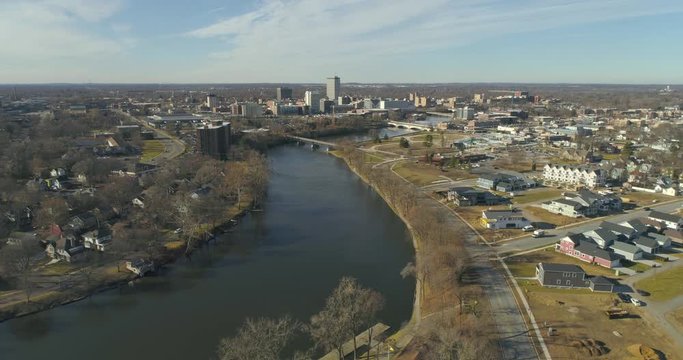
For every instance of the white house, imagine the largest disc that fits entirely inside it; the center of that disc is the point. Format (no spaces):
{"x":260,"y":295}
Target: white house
{"x":504,"y":219}
{"x":97,"y":239}
{"x":574,"y":175}
{"x":671,"y":221}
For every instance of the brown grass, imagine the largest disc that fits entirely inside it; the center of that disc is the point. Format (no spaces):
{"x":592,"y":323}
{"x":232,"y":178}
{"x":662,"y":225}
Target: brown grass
{"x":538,"y":214}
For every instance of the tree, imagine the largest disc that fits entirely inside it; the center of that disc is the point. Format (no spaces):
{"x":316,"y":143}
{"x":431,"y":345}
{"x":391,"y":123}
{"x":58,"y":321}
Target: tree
{"x":428,"y":140}
{"x":53,"y":210}
{"x":120,"y":191}
{"x":17,"y":261}
{"x":627,"y":151}
{"x":404,"y":143}
{"x":260,"y":339}
{"x":349,"y":310}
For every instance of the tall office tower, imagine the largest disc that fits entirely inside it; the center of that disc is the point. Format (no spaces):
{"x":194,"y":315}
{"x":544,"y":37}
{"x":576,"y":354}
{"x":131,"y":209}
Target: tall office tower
{"x":283,"y":93}
{"x":312,"y":99}
{"x":211,"y":101}
{"x":214,"y":139}
{"x":333,"y":87}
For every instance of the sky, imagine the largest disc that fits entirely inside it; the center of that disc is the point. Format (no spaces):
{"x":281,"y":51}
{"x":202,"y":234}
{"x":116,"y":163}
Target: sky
{"x":368,"y":41}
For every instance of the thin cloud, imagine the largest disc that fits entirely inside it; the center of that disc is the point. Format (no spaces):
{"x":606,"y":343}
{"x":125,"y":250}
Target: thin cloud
{"x":308,"y":34}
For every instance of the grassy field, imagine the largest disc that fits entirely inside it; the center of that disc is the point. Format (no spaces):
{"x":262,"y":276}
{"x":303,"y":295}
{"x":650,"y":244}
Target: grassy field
{"x":535,"y":195}
{"x":664,"y":285}
{"x":635,"y":266}
{"x":536,"y":214}
{"x":419,"y":174}
{"x":151,"y":149}
{"x":646,"y":199}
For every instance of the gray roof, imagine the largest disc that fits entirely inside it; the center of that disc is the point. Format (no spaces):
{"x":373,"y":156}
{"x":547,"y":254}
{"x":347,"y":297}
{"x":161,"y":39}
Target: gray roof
{"x":567,"y":202}
{"x":625,"y":247}
{"x":646,"y":241}
{"x":601,"y":280}
{"x":637,"y":225}
{"x":605,"y":234}
{"x":561,"y":267}
{"x":664,"y":216}
{"x":593,"y":250}
{"x":617,"y":228}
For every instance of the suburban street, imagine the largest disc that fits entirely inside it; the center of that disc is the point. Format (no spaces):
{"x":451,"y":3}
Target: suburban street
{"x":527,"y":242}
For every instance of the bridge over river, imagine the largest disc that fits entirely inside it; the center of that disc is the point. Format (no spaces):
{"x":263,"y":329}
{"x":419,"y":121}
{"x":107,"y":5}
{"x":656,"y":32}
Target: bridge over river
{"x":412,"y":126}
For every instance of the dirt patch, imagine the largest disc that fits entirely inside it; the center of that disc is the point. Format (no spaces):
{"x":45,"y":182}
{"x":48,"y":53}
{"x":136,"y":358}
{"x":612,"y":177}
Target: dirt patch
{"x":582,"y":330}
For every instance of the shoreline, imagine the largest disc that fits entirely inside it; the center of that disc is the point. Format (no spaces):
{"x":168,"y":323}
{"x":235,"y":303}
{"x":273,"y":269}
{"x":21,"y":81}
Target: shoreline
{"x":416,"y":315}
{"x":75,"y":295}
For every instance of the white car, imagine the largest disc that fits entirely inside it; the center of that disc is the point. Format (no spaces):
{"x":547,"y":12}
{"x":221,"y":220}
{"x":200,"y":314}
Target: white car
{"x":528,"y":228}
{"x":636,"y":302}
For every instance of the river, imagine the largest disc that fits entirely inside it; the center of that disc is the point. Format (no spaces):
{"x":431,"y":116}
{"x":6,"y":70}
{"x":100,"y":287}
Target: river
{"x":320,"y":222}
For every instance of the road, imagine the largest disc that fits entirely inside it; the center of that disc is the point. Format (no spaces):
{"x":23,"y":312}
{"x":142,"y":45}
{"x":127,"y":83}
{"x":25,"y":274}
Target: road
{"x":173,"y":147}
{"x":511,"y":330}
{"x":527,"y":242}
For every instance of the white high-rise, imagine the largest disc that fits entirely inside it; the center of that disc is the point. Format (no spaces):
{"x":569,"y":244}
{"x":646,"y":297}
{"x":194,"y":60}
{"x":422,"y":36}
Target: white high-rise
{"x":211,"y":101}
{"x":333,"y":87}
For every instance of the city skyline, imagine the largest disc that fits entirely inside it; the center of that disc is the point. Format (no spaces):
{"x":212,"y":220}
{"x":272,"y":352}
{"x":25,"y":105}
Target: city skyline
{"x":72,"y":41}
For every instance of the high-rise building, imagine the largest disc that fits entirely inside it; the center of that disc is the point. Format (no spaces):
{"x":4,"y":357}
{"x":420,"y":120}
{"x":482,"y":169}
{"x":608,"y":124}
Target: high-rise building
{"x":312,"y":100}
{"x":252,"y":110}
{"x":283,"y":93}
{"x":214,"y":139}
{"x":211,"y":101}
{"x":333,"y":87}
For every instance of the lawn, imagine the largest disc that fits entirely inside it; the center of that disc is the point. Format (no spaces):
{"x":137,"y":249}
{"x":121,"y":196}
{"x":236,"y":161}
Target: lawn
{"x":418,"y":174}
{"x":535,"y":195}
{"x":635,"y":266}
{"x":664,"y":285}
{"x":522,"y":269}
{"x":151,"y":149}
{"x":537,"y":214}
{"x":646,"y":199}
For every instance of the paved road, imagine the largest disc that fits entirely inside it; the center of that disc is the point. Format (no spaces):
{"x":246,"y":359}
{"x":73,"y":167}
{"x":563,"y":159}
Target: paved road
{"x":527,"y":242}
{"x":512,"y":332}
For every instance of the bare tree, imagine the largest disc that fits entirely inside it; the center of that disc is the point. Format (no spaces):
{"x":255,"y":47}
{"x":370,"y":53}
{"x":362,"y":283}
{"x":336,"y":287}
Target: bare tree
{"x":17,"y":261}
{"x":260,"y":339}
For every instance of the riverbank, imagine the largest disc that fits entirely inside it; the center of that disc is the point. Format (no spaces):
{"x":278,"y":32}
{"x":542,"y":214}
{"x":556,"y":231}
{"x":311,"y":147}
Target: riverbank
{"x":109,"y":276}
{"x":450,"y":307}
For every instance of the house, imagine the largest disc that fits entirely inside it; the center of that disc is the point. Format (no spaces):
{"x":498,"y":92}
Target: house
{"x":584,"y":249}
{"x":671,"y":221}
{"x":627,"y":232}
{"x":139,"y":201}
{"x":603,"y":237}
{"x":65,"y":248}
{"x":502,"y":182}
{"x":561,"y":275}
{"x":626,"y":250}
{"x":648,"y":245}
{"x":140,"y":266}
{"x":637,"y":225}
{"x":82,"y":222}
{"x":663,"y":241}
{"x":656,"y":225}
{"x":601,"y":284}
{"x":58,"y":173}
{"x":675,"y":236}
{"x":467,"y":196}
{"x":566,"y":207}
{"x":504,"y":219}
{"x":574,"y":175}
{"x":570,"y":276}
{"x":97,"y":239}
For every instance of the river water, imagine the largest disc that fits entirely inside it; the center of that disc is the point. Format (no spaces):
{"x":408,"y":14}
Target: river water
{"x":320,"y":223}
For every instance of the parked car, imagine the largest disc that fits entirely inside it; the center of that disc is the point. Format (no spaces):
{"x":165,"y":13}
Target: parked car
{"x":636,"y":302}
{"x":624,"y":297}
{"x":646,"y":208}
{"x":538,"y":234}
{"x":528,"y":228}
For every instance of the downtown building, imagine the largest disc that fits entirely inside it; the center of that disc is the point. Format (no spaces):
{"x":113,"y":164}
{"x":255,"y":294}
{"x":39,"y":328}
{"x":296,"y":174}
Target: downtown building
{"x":213,"y":139}
{"x":333,"y":88}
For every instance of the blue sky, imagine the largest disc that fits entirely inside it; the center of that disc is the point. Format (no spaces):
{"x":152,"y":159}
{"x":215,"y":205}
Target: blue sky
{"x":155,"y":41}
